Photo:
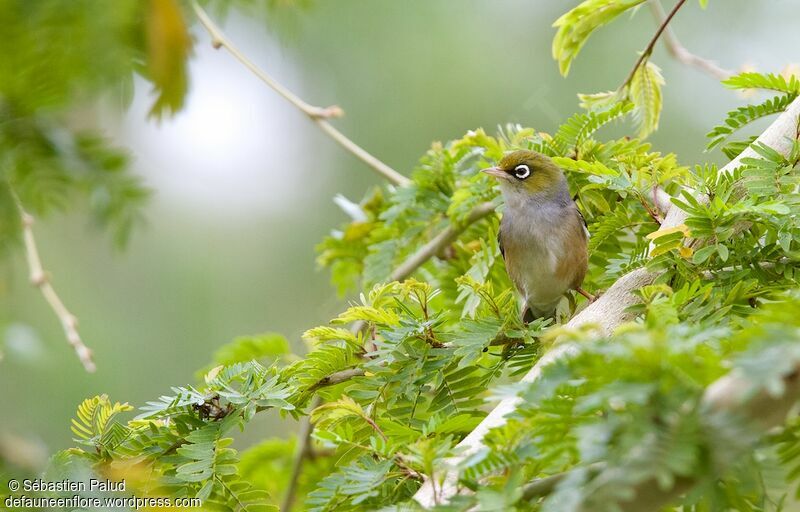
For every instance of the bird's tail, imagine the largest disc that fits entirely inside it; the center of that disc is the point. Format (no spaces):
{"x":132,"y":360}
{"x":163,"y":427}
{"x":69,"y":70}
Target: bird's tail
{"x":531,"y":313}
{"x":528,"y":315}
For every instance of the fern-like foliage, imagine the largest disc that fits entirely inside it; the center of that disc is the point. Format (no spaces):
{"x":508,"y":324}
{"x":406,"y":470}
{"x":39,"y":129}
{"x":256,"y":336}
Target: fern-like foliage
{"x":645,"y":94}
{"x":581,"y":126}
{"x":575,"y":27}
{"x":181,"y":438}
{"x":743,"y":116}
{"x":394,"y":382}
{"x":95,"y":426}
{"x":771,"y":81}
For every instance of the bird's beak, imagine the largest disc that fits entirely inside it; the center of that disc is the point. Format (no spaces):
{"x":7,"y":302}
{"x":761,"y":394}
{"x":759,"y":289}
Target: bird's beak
{"x":496,"y":172}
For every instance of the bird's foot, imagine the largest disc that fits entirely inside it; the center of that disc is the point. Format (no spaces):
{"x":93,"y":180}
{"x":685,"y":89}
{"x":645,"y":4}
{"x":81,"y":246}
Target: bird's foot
{"x":591,"y":298}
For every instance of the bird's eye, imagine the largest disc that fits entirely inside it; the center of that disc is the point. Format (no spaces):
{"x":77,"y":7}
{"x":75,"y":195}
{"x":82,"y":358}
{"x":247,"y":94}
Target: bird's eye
{"x":522,"y":171}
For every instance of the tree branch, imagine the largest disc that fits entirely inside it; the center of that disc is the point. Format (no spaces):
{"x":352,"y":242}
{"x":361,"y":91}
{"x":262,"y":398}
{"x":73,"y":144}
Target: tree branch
{"x":336,"y":378}
{"x":303,"y":450}
{"x":40,"y":279}
{"x":680,"y":53}
{"x":608,"y":312}
{"x":439,"y":242}
{"x":649,"y":48}
{"x":545,"y":486}
{"x":306,"y":428}
{"x":318,"y":115}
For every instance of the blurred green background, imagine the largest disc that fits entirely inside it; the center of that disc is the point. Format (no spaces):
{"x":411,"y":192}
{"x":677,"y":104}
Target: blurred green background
{"x":244,"y":183}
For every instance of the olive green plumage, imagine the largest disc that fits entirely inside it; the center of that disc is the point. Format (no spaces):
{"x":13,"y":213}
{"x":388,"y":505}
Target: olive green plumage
{"x":542,"y":234}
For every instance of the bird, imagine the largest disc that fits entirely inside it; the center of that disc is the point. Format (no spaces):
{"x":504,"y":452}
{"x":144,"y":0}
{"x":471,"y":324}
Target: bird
{"x":543,"y":236}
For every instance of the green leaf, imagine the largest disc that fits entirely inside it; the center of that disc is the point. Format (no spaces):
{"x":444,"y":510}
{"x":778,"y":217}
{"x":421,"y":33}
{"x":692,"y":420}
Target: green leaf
{"x":723,"y":252}
{"x":771,"y":81}
{"x":702,"y":254}
{"x":645,"y":93}
{"x":743,"y":116}
{"x":581,"y":126}
{"x":575,"y":27}
{"x":248,"y":348}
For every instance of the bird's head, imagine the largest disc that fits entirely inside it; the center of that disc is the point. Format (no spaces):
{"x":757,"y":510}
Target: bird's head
{"x":524,"y":174}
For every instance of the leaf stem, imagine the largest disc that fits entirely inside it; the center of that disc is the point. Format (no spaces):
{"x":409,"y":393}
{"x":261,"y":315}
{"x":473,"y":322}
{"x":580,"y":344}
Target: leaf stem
{"x":303,"y":450}
{"x":439,"y":242}
{"x":680,"y":53}
{"x":649,"y":48}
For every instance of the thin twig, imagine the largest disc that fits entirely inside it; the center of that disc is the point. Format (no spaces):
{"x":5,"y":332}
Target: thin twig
{"x":546,"y":485}
{"x":306,"y":428}
{"x":40,"y":279}
{"x":301,"y":454}
{"x":680,"y":53}
{"x":336,"y":378}
{"x":318,"y":115}
{"x":649,"y":209}
{"x":439,"y":242}
{"x":649,"y":49}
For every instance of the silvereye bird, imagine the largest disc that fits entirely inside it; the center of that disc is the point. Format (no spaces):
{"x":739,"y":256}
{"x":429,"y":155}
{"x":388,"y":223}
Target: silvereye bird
{"x":543,"y":236}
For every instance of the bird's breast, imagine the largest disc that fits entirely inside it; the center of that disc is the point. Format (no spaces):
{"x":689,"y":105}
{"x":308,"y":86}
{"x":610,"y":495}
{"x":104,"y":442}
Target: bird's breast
{"x":545,"y":252}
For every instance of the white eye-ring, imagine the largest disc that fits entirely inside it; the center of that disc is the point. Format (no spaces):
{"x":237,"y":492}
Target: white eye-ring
{"x":522,"y":171}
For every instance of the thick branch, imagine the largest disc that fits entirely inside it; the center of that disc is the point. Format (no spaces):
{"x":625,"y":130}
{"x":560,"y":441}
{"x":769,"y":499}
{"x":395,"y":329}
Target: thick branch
{"x":680,"y":53}
{"x":40,"y":279}
{"x":318,"y":115}
{"x":608,"y":312}
{"x":779,"y":136}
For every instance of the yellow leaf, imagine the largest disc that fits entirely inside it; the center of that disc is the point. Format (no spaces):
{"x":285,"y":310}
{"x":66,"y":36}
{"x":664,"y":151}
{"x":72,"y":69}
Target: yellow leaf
{"x":663,"y":232}
{"x":168,"y":47}
{"x":212,"y":374}
{"x":686,"y":252}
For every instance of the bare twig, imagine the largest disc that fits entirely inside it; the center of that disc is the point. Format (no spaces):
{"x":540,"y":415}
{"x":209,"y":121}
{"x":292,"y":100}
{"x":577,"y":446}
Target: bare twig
{"x":318,"y":115}
{"x":649,"y":49}
{"x":40,"y":279}
{"x":680,"y":53}
{"x":649,"y":209}
{"x":608,"y":312}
